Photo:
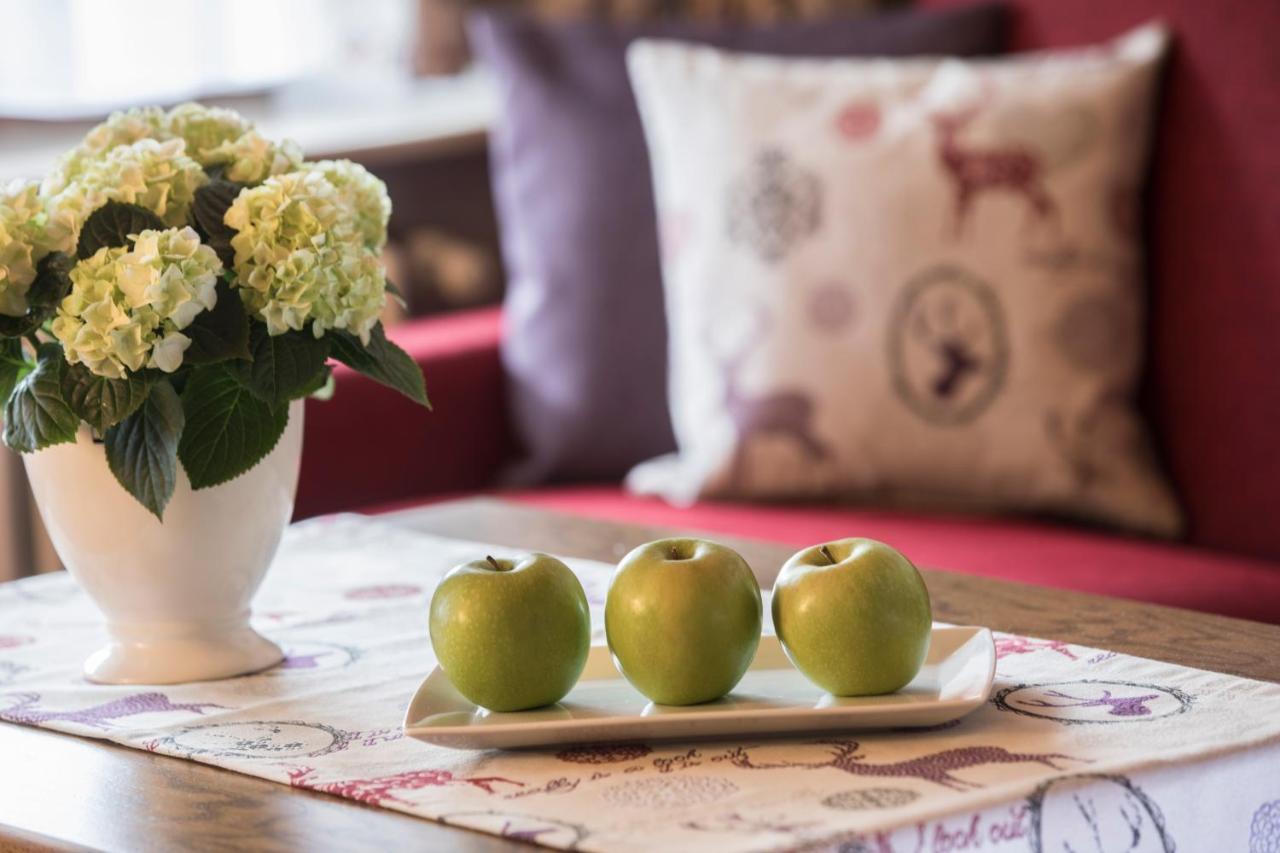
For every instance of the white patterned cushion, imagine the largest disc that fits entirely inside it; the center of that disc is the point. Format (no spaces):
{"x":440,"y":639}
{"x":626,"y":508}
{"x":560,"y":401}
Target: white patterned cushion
{"x":907,"y":281}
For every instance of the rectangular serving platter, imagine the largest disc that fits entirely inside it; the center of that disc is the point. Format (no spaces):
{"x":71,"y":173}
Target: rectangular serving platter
{"x":773,"y":698}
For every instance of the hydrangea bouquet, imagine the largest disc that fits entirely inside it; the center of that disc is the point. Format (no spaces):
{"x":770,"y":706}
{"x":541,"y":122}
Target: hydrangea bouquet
{"x":175,"y":284}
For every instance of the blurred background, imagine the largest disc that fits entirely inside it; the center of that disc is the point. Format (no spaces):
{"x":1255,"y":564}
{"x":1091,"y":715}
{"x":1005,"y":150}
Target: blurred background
{"x":387,"y":83}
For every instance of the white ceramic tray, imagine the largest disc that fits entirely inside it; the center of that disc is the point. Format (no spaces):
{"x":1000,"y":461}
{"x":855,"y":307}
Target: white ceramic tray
{"x":773,"y":698}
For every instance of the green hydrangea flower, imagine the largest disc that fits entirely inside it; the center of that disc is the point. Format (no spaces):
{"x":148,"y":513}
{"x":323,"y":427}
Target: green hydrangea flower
{"x":252,"y":158}
{"x":299,"y":257}
{"x":363,"y":194}
{"x":212,"y":136}
{"x":204,"y":129}
{"x":121,"y":128}
{"x":219,"y":137}
{"x":22,"y":244}
{"x":127,"y":307}
{"x":155,"y":175}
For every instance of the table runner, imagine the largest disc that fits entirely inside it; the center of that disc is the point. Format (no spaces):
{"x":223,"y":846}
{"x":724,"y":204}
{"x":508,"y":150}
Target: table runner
{"x":1078,"y":749}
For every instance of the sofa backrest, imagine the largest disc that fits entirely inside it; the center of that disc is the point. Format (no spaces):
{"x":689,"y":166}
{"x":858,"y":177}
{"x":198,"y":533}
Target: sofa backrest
{"x":1213,"y":217}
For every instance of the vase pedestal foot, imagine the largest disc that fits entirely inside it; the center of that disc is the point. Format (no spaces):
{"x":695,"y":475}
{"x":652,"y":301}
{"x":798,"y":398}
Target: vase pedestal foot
{"x":173,"y":654}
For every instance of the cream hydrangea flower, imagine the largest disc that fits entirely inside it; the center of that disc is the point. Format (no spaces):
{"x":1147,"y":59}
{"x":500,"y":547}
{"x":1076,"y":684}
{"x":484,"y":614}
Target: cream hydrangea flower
{"x":220,"y":137}
{"x":22,"y":244}
{"x":213,"y":136}
{"x":299,"y":257}
{"x":363,"y":194}
{"x":204,"y":129}
{"x":251,"y":157}
{"x":127,"y":307}
{"x":156,"y":175}
{"x":121,"y":128}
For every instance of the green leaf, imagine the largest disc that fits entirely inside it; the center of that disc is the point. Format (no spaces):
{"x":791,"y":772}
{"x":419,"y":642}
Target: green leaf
{"x":17,"y":327}
{"x":381,"y":361}
{"x":36,"y":415}
{"x":100,"y":402}
{"x":220,"y":334}
{"x":53,"y":280}
{"x":52,"y":283}
{"x":208,"y":209}
{"x":142,"y":450}
{"x":12,"y":366}
{"x":110,"y":226}
{"x":319,"y":388}
{"x":228,"y":430}
{"x":396,"y":293}
{"x":283,"y":366}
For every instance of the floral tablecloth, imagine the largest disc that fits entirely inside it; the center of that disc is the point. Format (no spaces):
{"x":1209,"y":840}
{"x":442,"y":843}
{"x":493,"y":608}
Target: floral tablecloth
{"x":1079,"y":749}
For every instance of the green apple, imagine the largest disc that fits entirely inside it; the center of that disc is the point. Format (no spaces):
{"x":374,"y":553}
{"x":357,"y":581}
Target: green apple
{"x":853,"y":616}
{"x":682,"y":618}
{"x":511,"y":634}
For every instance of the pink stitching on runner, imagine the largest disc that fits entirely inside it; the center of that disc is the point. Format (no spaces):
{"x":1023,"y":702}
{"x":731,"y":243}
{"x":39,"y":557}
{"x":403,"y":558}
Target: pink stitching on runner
{"x":381,"y":789}
{"x":1012,"y":644}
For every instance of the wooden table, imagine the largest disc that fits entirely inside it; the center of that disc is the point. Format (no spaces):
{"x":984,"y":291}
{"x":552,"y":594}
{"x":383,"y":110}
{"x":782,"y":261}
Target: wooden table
{"x":59,"y":792}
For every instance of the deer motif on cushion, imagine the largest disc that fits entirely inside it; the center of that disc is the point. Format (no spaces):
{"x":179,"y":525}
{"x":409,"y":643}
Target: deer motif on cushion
{"x":976,"y":169}
{"x":781,"y":412}
{"x":955,"y":342}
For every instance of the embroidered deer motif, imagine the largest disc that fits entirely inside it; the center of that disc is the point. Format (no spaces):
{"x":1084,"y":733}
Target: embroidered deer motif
{"x":784,"y":413}
{"x":99,"y":716}
{"x":937,"y":767}
{"x":382,"y":789}
{"x":958,"y":363}
{"x":1124,"y":706}
{"x":974,"y":170}
{"x":940,"y":327}
{"x":1015,"y":645}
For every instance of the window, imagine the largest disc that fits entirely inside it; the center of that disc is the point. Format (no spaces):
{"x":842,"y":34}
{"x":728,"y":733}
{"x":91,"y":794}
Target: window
{"x":69,"y":59}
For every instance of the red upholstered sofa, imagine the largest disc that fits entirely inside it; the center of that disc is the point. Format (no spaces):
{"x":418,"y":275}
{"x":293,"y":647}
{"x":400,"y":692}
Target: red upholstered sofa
{"x":1212,"y":389}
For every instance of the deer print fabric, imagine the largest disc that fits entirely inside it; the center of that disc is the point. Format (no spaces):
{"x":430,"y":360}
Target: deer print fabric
{"x":906,"y":281}
{"x":1078,"y":749}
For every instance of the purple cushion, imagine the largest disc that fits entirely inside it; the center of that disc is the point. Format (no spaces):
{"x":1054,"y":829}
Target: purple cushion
{"x":585,"y":340}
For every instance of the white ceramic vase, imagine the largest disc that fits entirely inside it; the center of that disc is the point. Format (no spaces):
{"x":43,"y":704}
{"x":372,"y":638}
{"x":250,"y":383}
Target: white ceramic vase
{"x":175,"y":595}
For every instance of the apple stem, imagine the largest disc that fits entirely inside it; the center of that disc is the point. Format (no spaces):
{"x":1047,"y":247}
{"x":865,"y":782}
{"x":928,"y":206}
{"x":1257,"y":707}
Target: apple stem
{"x":494,"y":563}
{"x":826,"y":553}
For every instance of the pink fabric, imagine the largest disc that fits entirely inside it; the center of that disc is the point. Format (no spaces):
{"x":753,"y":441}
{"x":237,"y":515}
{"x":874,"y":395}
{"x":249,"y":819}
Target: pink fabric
{"x":1042,"y":554}
{"x":1215,"y":240}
